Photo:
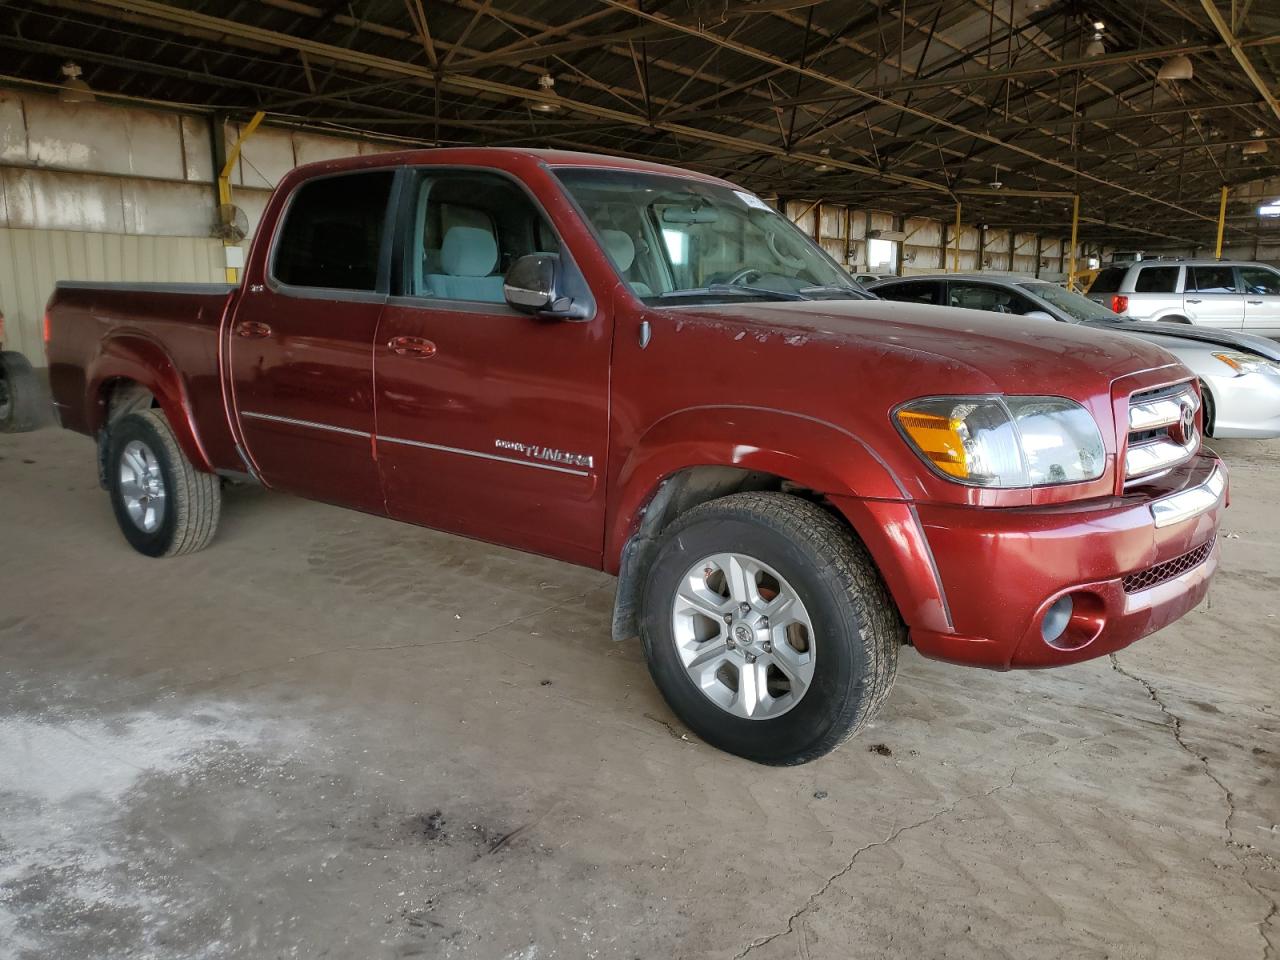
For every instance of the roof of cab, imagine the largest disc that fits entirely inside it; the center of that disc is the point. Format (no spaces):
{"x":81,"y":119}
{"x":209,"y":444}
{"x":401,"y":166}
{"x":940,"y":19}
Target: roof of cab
{"x":479,"y":156}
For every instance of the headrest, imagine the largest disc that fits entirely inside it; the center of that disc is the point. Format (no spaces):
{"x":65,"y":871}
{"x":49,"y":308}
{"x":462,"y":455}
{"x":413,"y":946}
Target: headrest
{"x":470,"y":248}
{"x":621,"y":247}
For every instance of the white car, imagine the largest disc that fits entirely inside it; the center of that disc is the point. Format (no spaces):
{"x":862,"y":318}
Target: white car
{"x":1224,"y":294}
{"x":1239,"y":373}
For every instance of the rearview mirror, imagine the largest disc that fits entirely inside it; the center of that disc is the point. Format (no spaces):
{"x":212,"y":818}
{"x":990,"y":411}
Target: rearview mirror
{"x":534,"y":285}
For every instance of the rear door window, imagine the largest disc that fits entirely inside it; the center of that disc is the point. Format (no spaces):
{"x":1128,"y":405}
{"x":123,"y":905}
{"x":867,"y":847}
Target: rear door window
{"x":1109,"y":280}
{"x":917,"y":291}
{"x":332,"y":233}
{"x":1156,"y":280}
{"x":983,"y":296}
{"x":1211,"y":280}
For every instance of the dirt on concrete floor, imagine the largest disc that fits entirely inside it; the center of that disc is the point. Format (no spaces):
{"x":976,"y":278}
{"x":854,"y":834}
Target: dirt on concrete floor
{"x":331,"y":735}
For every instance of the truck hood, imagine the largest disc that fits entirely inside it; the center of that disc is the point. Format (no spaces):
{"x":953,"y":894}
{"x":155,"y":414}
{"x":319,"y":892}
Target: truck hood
{"x":1157,"y":332}
{"x":1013,"y":355}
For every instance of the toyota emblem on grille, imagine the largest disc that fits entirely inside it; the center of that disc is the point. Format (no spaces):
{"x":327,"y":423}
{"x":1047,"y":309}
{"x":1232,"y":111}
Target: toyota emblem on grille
{"x":1182,"y":431}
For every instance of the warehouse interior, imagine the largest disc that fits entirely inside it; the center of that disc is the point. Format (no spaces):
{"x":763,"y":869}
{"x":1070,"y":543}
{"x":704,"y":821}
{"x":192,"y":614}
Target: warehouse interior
{"x":338,"y":735}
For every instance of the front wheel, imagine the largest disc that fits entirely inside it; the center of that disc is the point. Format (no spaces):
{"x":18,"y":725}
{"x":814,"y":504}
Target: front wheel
{"x":163,"y":504}
{"x":767,"y":627}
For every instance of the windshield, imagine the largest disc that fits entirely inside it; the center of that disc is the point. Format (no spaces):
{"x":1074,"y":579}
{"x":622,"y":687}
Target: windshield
{"x":672,"y":238}
{"x":1072,"y":304}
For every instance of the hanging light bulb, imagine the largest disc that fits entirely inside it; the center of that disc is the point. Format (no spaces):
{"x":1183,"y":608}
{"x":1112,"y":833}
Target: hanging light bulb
{"x":824,"y":167}
{"x":73,"y":89}
{"x":1176,"y":68}
{"x":1095,"y":48}
{"x":1255,"y":149}
{"x":546,"y":86}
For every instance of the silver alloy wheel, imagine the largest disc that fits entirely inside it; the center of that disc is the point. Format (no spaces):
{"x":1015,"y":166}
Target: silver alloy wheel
{"x":743,"y":635}
{"x":142,"y":486}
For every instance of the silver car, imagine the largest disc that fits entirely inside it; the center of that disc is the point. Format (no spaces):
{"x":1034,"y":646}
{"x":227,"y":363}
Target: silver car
{"x":1224,"y":294}
{"x":1239,"y":372}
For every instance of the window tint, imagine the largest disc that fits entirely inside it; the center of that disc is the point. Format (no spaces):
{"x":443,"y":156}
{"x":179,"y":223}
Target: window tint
{"x":1260,"y":281}
{"x":1156,"y":280}
{"x":332,"y":234}
{"x":1109,"y":280}
{"x":466,"y":231}
{"x":980,"y":296}
{"x":1211,"y":280}
{"x":921,"y":291}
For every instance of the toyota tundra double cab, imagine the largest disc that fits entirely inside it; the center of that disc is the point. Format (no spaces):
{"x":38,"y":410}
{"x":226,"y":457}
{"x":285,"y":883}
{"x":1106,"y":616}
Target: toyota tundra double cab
{"x":651,"y":372}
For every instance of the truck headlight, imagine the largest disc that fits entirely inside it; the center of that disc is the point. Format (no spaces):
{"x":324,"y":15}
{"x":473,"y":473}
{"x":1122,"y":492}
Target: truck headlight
{"x":1243,"y":363}
{"x":1004,"y":441}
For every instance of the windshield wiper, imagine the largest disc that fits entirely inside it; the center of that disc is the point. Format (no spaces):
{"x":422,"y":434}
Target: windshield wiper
{"x":716,"y":289}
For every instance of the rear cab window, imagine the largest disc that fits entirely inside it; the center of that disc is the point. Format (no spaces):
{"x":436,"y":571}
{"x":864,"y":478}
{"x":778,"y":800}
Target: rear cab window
{"x":332,"y":236}
{"x":1109,"y":280}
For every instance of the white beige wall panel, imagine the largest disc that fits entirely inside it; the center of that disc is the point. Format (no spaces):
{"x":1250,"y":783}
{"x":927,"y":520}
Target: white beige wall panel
{"x":31,"y":261}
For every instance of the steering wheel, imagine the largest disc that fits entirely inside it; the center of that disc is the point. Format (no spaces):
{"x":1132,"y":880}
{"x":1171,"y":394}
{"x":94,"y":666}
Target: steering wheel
{"x":742,"y":275}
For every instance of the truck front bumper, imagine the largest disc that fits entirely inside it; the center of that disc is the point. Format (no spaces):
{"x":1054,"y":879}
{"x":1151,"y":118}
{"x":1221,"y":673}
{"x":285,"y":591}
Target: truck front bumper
{"x":1046,"y":586}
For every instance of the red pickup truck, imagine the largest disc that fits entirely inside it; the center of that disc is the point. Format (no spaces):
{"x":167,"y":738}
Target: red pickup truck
{"x":651,"y":372}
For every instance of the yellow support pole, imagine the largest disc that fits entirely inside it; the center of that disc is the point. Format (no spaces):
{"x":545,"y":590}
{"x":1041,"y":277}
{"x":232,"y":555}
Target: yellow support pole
{"x":1222,"y":222}
{"x":224,"y":178}
{"x":955,"y":243}
{"x":1075,"y":233}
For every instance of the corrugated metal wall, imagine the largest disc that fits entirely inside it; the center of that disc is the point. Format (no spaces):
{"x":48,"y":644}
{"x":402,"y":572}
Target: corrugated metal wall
{"x":31,"y":261}
{"x":97,"y":191}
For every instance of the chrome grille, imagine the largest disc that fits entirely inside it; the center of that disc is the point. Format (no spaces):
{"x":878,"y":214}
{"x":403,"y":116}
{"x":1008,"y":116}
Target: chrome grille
{"x":1162,"y":431}
{"x":1162,"y":572}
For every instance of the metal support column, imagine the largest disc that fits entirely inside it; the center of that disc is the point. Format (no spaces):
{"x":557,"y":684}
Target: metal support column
{"x":1075,"y":233}
{"x":224,"y":178}
{"x":1222,"y":222}
{"x":955,"y":243}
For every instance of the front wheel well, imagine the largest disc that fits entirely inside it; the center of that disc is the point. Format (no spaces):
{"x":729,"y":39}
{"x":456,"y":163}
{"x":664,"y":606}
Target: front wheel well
{"x":676,"y":495}
{"x":118,"y":398}
{"x":1210,"y":409}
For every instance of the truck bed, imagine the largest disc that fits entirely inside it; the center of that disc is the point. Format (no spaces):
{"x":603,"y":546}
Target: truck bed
{"x":164,"y":335}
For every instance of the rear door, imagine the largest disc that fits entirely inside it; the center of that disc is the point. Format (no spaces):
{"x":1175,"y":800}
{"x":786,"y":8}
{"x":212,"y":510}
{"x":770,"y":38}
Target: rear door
{"x":491,"y":423}
{"x":1212,"y":297}
{"x":300,"y":347}
{"x":1261,"y":286}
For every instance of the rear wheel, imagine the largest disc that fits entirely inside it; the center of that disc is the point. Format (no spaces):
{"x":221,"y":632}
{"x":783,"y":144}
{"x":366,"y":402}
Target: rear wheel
{"x":767,"y":627}
{"x":1210,"y":412}
{"x":163,"y":504}
{"x":20,"y":393}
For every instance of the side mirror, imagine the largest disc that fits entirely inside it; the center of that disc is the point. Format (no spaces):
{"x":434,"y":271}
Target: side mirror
{"x":534,"y":285}
{"x":1039,"y":315}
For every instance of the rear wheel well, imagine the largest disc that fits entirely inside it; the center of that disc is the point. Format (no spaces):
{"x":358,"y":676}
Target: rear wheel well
{"x":676,"y":495}
{"x":1175,"y":318}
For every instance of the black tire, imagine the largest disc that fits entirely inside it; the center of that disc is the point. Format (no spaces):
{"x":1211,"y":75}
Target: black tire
{"x":192,"y":501}
{"x":20,"y":394}
{"x":857,"y":626}
{"x":1175,"y":320}
{"x":1210,"y":411}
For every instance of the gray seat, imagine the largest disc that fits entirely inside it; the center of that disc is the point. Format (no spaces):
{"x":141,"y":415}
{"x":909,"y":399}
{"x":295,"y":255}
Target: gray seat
{"x":468,"y":257}
{"x":622,"y":251}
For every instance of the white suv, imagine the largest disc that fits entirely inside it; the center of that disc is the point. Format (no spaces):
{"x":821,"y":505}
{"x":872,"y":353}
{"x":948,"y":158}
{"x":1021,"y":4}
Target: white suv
{"x":1227,"y":294}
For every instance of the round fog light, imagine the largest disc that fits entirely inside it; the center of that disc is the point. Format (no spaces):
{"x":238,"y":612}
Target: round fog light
{"x":1056,"y":619}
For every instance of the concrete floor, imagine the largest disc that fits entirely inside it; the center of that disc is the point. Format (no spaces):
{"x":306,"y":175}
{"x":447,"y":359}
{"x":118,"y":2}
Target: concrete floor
{"x":331,"y":735}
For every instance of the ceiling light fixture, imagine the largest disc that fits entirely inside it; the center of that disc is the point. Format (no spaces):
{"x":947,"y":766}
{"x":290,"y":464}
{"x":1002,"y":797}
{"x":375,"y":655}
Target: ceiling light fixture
{"x":824,"y":167}
{"x":1095,"y":47}
{"x":547,"y":87}
{"x":1255,"y":148}
{"x":73,"y":89}
{"x":1176,"y":68}
{"x":1099,"y":25}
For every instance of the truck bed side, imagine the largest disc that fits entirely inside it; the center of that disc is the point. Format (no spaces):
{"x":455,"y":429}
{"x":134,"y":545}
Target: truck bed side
{"x":162,"y":336}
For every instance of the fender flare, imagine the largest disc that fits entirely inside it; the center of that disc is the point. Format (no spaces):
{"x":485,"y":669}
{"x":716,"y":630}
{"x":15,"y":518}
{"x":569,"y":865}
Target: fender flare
{"x":805,"y":450}
{"x":129,"y":355}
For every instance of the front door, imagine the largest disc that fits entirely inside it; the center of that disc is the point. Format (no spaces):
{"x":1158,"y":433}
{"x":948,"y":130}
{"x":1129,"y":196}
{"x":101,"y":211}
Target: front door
{"x":1211,"y":297}
{"x":1261,"y":287}
{"x":300,"y":345}
{"x":491,"y":423}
